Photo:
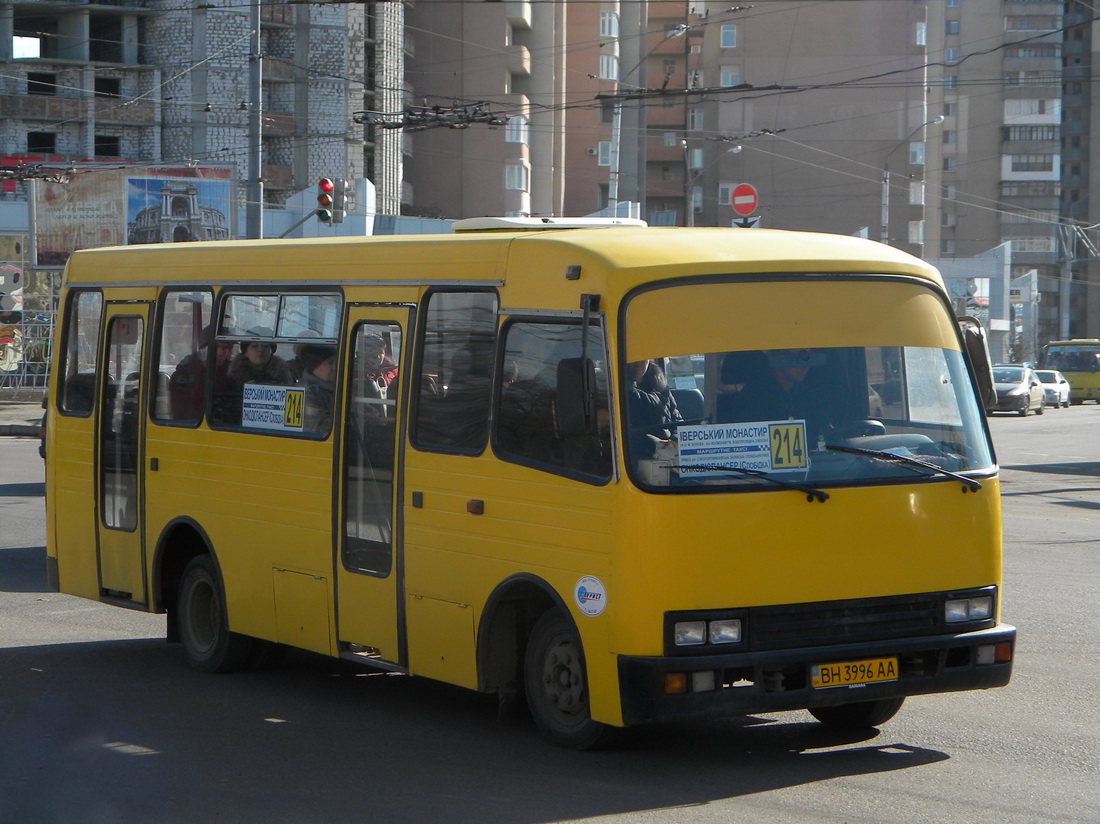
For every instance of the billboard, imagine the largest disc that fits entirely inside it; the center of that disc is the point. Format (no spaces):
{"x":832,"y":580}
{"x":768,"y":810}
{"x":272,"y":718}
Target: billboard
{"x":112,"y":206}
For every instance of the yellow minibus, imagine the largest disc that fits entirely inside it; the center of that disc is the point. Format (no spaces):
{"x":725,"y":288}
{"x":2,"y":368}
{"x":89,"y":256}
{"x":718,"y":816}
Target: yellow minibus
{"x":622,"y":473}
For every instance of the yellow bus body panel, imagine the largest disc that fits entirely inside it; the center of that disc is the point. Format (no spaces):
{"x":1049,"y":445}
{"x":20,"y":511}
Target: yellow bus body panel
{"x":266,"y":503}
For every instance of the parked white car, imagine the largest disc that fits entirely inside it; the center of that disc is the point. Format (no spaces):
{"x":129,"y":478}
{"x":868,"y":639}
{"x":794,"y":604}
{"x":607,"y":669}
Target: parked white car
{"x":1055,"y":387}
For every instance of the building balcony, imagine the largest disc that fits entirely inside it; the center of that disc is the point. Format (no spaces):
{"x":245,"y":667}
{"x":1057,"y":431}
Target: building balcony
{"x":657,"y":152}
{"x":277,"y":70}
{"x":278,"y":124}
{"x":54,"y":109}
{"x":518,"y":13}
{"x":518,"y":60}
{"x":277,"y":177}
{"x":658,"y":116}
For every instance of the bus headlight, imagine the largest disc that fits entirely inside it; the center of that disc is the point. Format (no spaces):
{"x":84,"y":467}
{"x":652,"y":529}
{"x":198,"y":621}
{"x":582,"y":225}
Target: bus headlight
{"x":727,"y":631}
{"x":689,"y":633}
{"x":960,"y":610}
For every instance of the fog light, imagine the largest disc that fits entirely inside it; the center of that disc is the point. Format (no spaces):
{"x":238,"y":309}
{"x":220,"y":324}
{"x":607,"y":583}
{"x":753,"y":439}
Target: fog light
{"x":675,"y":683}
{"x":702,"y":681}
{"x":727,"y":631}
{"x":987,"y":654}
{"x":689,"y":633}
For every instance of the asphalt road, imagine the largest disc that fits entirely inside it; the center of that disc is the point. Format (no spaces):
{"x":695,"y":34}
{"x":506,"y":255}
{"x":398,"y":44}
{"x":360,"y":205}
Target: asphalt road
{"x":102,"y":721}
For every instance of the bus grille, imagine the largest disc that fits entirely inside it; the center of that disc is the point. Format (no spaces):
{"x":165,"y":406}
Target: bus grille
{"x":850,"y":621}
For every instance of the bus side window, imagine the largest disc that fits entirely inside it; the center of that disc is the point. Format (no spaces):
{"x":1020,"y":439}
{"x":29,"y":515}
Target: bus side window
{"x":77,"y":391}
{"x":184,"y":353}
{"x":452,"y":408}
{"x":529,"y":429}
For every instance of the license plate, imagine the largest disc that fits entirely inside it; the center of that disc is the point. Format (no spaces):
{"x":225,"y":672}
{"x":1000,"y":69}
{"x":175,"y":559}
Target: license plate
{"x":854,"y":673}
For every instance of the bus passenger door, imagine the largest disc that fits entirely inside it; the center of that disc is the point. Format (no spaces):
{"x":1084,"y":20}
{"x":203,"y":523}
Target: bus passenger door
{"x":119,"y":487}
{"x":369,"y":563}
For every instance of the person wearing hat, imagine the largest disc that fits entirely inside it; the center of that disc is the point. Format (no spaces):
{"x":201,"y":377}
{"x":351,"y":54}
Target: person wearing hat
{"x":319,"y":380}
{"x":255,"y":363}
{"x":187,"y":385}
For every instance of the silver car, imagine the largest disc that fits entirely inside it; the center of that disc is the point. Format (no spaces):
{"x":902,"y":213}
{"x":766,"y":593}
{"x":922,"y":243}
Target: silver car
{"x":1018,"y":390}
{"x":1055,"y":386}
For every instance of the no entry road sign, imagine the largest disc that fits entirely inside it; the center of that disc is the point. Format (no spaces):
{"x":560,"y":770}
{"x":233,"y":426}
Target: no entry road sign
{"x":744,"y":199}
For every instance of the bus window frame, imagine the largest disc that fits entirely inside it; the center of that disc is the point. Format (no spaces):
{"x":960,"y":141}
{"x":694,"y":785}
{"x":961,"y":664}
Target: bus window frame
{"x":68,"y":328}
{"x":222,"y":295}
{"x":571,"y":318}
{"x":421,"y":332}
{"x":157,"y":347}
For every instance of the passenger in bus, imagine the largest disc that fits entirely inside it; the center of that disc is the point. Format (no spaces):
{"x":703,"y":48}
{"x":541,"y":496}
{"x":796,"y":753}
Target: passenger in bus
{"x":319,"y":381}
{"x":255,"y":363}
{"x":651,"y":407}
{"x":781,"y":387}
{"x":297,"y":368}
{"x":375,"y":362}
{"x":258,"y":363}
{"x":188,"y":382}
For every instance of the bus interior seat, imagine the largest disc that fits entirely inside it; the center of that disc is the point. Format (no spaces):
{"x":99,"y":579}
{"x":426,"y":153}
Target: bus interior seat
{"x":690,"y":403}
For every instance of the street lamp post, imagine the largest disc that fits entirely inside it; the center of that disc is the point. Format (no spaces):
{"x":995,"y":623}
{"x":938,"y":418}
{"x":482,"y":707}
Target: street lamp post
{"x":691,"y":177}
{"x":617,"y":119}
{"x":885,"y":235}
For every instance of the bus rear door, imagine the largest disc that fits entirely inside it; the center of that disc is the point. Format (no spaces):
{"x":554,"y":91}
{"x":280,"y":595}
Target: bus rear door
{"x":119,"y":487}
{"x":369,"y":563}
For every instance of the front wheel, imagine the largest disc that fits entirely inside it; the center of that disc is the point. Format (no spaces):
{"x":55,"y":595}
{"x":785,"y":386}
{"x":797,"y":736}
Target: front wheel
{"x":859,"y":716}
{"x":557,"y":686}
{"x":204,"y":623}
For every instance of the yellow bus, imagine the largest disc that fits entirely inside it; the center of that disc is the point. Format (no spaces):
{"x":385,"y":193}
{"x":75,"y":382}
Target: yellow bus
{"x":623,"y":473}
{"x":1079,"y":362}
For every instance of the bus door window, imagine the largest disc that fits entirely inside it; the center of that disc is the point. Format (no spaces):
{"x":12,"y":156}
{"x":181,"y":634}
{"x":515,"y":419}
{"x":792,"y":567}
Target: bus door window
{"x":528,"y":426}
{"x":369,"y":448}
{"x":81,"y":352}
{"x":186,"y":350}
{"x":452,"y":410}
{"x":120,"y":424}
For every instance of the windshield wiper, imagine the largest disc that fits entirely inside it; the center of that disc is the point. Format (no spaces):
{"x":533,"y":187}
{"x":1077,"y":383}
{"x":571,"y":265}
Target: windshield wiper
{"x":910,"y":463}
{"x":811,"y":492}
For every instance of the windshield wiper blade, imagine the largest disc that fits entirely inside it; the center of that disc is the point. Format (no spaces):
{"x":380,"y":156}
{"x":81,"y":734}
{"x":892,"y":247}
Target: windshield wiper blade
{"x":811,"y":492}
{"x":905,"y":460}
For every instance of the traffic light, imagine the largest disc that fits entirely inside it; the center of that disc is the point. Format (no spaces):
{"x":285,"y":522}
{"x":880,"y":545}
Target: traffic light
{"x":325,"y":189}
{"x":339,"y":200}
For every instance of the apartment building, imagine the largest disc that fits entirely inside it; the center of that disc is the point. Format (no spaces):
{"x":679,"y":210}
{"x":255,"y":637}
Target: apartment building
{"x":142,"y":81}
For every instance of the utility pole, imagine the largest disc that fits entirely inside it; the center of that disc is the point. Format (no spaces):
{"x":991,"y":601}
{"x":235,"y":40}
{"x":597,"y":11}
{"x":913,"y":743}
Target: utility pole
{"x":254,"y":208}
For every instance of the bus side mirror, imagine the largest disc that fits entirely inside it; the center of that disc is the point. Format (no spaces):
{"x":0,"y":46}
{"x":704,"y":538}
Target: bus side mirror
{"x":576,"y":397}
{"x":977,"y":352}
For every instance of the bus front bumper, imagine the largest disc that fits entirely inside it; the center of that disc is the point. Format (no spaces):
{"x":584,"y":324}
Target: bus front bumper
{"x":772,"y":681}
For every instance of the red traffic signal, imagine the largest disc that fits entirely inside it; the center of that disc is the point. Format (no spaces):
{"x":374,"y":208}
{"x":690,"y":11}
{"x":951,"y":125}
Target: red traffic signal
{"x":325,"y":188}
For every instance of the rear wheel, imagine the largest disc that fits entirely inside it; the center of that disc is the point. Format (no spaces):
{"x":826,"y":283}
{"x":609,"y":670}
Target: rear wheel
{"x":204,"y":623}
{"x":1042,"y":407}
{"x":557,"y":686}
{"x":859,"y":716}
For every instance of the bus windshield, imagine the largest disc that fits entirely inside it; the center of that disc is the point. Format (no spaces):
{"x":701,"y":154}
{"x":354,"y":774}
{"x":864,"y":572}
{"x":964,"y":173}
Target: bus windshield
{"x":807,"y":405}
{"x":1073,"y":357}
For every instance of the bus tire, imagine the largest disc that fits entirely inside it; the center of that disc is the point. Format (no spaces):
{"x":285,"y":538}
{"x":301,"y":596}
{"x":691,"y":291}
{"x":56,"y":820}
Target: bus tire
{"x":557,"y":686}
{"x":859,"y":716}
{"x":204,"y":623}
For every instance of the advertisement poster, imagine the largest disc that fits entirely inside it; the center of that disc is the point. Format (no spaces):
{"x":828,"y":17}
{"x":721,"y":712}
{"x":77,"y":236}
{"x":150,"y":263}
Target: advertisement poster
{"x":101,"y":206}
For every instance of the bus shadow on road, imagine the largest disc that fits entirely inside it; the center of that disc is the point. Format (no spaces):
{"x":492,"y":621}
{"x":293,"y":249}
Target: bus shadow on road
{"x":1091,"y":468}
{"x":131,"y":727}
{"x":32,"y":490}
{"x":23,"y":569}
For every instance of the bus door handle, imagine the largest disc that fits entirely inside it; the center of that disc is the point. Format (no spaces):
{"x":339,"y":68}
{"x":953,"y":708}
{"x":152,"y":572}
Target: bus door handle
{"x":475,"y":507}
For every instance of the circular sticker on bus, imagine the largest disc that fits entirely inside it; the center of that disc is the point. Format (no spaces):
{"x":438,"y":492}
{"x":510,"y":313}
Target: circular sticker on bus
{"x":590,"y":595}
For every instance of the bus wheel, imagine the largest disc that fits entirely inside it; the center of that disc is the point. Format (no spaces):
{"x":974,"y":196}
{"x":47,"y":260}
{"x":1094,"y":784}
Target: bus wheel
{"x":859,"y":716}
{"x":204,"y":624}
{"x":557,"y":686}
